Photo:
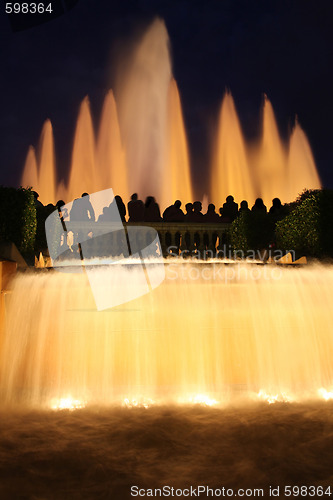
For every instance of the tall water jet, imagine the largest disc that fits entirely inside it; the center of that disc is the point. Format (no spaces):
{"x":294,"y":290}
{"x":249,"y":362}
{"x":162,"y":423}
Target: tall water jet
{"x":302,"y":171}
{"x":271,"y":160}
{"x":143,"y":95}
{"x":83,"y":175}
{"x":61,"y":192}
{"x":30,"y":174}
{"x":111,"y":157}
{"x":142,"y":146}
{"x":230,"y":173}
{"x":177,"y":175}
{"x":47,"y":173}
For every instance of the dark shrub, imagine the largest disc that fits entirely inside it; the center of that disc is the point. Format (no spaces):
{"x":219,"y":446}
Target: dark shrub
{"x":18,"y":218}
{"x":42,"y":215}
{"x":308,"y":229}
{"x":251,"y":231}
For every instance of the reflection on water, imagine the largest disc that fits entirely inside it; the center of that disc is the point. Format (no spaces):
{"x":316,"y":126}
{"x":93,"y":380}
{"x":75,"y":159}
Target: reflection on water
{"x":100,"y":453}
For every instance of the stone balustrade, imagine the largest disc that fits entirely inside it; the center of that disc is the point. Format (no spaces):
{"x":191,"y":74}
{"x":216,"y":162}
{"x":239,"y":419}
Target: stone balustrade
{"x":185,"y":237}
{"x":176,"y":238}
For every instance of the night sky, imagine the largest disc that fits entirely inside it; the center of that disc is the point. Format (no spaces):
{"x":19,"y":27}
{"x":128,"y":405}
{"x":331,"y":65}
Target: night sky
{"x":281,"y":48}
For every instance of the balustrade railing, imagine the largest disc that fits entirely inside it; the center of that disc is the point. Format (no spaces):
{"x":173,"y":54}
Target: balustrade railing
{"x":185,"y":238}
{"x":181,"y":238}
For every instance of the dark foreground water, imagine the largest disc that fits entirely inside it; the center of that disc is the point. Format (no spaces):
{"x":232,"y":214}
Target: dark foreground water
{"x":100,"y":453}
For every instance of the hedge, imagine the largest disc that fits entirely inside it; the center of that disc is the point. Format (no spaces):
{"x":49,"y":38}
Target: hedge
{"x":251,"y":231}
{"x":308,"y":229}
{"x":18,"y":218}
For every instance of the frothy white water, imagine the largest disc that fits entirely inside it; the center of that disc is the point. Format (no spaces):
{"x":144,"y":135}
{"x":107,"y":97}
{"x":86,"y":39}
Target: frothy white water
{"x":206,"y":333}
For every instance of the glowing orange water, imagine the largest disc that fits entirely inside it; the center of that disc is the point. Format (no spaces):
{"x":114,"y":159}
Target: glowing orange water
{"x":231,"y":174}
{"x":83,"y":175}
{"x":142,"y":144}
{"x":266,"y":331}
{"x":30,"y":174}
{"x":111,"y":158}
{"x":62,"y":191}
{"x":142,"y":98}
{"x":302,"y":170}
{"x":47,"y":174}
{"x":265,"y":170}
{"x":177,"y":175}
{"x":271,"y":160}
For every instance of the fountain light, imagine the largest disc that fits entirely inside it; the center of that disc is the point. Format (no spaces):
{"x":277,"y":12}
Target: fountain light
{"x":199,"y":399}
{"x":141,"y":402}
{"x":67,"y":403}
{"x":274,"y":398}
{"x":327,"y":395}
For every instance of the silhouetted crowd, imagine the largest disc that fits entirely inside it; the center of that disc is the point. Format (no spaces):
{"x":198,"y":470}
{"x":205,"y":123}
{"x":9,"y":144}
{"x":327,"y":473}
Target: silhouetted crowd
{"x":149,"y":211}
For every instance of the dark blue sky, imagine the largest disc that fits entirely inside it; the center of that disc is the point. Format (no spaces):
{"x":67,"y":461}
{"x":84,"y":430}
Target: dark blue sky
{"x":282,"y":48}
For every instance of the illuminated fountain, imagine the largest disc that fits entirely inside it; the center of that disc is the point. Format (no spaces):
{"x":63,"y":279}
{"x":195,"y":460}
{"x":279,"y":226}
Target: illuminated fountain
{"x":111,"y":156}
{"x":271,"y":165}
{"x":143,"y":99}
{"x":30,"y":173}
{"x":188,"y":338}
{"x":46,"y":178}
{"x":141,"y":144}
{"x":231,"y":172}
{"x":43,"y":177}
{"x":301,"y":166}
{"x":176,"y":172}
{"x":83,"y":175}
{"x":265,"y":168}
{"x":210,"y":334}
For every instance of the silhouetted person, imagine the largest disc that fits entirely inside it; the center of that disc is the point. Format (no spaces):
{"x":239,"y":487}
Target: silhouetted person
{"x":211,"y":215}
{"x":136,"y":209}
{"x":276,"y":207}
{"x":105,"y":215}
{"x":229,"y":209}
{"x":116,"y":207}
{"x":244,"y":207}
{"x":152,"y":210}
{"x":88,"y":207}
{"x":76,"y":210}
{"x":38,"y":204}
{"x":121,"y":207}
{"x":174,"y":213}
{"x":259,"y":206}
{"x":197,"y":215}
{"x":82,"y":209}
{"x":189,"y":212}
{"x":277,"y":211}
{"x":63,"y":213}
{"x":50,"y":208}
